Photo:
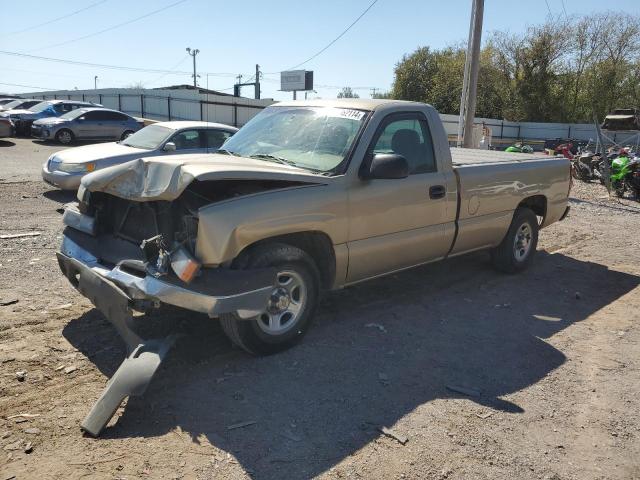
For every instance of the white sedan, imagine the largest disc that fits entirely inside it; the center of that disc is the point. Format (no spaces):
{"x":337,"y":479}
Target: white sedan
{"x":65,"y":169}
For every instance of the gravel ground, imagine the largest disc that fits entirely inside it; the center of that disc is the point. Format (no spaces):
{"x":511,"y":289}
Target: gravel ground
{"x":549,"y":361}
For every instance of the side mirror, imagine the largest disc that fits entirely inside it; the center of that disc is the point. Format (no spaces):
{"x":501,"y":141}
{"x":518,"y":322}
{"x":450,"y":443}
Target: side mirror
{"x":169,"y":147}
{"x":387,"y":166}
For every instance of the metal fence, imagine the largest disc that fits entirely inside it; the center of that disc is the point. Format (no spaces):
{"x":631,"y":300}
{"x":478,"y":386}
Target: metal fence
{"x":192,"y":105}
{"x":506,"y":131}
{"x":167,"y":104}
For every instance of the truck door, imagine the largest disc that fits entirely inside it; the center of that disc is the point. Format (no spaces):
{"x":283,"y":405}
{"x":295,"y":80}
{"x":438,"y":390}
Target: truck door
{"x":399,"y":223}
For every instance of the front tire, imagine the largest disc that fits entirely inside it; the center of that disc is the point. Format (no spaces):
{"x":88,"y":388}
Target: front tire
{"x":516,"y":251}
{"x":291,"y":307}
{"x":65,"y":137}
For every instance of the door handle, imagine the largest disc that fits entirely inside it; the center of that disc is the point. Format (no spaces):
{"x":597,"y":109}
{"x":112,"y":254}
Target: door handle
{"x":437,"y":191}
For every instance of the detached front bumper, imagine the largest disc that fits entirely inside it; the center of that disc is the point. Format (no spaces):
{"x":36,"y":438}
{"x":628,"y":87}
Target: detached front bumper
{"x":216,"y":291}
{"x":114,"y":291}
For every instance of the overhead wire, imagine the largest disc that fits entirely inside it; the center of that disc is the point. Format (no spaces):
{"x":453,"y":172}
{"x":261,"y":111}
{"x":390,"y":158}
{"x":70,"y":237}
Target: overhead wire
{"x":27,"y":86}
{"x":106,"y":66}
{"x":171,"y":70}
{"x":322,"y":50}
{"x":33,"y":27}
{"x":108,"y":29}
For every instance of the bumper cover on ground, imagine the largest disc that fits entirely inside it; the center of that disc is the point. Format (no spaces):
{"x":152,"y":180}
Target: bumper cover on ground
{"x":112,"y":292}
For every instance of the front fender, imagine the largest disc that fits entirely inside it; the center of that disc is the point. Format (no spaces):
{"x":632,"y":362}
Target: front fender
{"x":227,"y":228}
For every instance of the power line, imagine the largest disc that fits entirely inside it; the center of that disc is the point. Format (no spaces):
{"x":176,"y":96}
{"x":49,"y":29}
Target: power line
{"x":33,"y":27}
{"x":564,"y":10}
{"x":334,"y":40}
{"x":27,"y":86}
{"x":549,"y":9}
{"x":113,"y":27}
{"x":167,"y":73}
{"x":111,"y":67}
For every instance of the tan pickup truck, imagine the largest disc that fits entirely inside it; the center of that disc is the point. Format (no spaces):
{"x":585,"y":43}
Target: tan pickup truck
{"x":307,"y":197}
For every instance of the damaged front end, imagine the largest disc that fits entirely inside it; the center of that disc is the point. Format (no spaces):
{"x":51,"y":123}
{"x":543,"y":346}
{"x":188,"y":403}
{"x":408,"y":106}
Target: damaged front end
{"x":125,"y":255}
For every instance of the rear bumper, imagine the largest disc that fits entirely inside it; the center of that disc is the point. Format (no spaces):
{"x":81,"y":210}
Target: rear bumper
{"x":244,"y":292}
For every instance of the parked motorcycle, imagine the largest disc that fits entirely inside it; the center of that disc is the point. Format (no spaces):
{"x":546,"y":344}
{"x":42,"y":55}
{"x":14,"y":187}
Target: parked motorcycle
{"x":519,"y":148}
{"x":625,"y":174}
{"x":586,"y":165}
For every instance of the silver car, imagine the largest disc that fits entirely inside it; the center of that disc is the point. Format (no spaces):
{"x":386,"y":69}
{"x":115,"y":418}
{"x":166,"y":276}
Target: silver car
{"x":86,"y":124}
{"x":65,"y":169}
{"x":18,"y":103}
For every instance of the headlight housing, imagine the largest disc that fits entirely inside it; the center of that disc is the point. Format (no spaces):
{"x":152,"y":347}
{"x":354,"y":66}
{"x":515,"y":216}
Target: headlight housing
{"x":77,"y":167}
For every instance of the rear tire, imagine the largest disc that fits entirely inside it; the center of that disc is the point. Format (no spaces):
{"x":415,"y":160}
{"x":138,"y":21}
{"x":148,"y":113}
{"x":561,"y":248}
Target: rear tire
{"x":292,"y":305}
{"x":516,"y":251}
{"x":65,"y":137}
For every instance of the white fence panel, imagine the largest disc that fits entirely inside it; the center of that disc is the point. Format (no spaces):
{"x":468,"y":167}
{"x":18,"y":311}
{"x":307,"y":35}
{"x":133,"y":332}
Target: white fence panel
{"x":130,"y":104}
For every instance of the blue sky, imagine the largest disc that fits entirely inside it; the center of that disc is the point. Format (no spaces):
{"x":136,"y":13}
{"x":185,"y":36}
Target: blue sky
{"x":233,"y":36}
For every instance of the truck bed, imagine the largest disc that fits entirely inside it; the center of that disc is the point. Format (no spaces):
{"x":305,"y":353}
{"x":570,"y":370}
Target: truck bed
{"x":467,"y":156}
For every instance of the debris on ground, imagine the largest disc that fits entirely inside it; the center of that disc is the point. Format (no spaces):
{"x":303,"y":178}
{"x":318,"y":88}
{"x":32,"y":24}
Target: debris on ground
{"x":376,"y":325}
{"x":19,"y":235}
{"x":23,"y":415}
{"x":464,"y":390}
{"x":21,"y":375}
{"x":32,"y":431}
{"x":28,"y":448}
{"x":241,"y":425}
{"x":64,"y":306}
{"x":484,"y":415}
{"x":70,"y":369}
{"x":8,"y":301}
{"x":393,"y":434}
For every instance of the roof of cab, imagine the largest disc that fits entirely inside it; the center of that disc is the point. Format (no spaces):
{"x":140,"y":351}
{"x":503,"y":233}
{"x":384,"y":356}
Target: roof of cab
{"x":356,"y":103}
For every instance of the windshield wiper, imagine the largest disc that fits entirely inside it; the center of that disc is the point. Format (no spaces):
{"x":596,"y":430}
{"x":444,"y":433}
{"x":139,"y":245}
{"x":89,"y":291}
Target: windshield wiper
{"x":226,"y":152}
{"x":266,"y":156}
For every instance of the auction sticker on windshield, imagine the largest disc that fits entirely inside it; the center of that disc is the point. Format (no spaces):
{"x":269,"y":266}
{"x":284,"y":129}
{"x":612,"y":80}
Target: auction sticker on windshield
{"x":345,"y":113}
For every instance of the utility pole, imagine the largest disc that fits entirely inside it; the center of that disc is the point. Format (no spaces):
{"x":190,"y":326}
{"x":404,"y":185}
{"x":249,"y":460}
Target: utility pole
{"x":193,"y":53}
{"x":257,"y":83}
{"x":470,"y":82}
{"x":95,"y":82}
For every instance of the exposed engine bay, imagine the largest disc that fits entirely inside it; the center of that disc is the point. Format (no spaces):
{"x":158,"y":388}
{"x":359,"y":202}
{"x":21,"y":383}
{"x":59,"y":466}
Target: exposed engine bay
{"x":163,"y":229}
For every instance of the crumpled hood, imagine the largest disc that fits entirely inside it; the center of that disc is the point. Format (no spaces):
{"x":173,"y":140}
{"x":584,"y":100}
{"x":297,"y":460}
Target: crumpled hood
{"x":92,"y":153}
{"x":148,"y":179}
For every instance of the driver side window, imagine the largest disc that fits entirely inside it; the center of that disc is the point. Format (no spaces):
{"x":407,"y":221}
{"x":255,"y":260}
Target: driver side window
{"x":409,"y":137}
{"x":187,"y":139}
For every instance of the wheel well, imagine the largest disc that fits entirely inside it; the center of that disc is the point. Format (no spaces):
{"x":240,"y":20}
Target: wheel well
{"x":536,"y":203}
{"x":317,"y":245}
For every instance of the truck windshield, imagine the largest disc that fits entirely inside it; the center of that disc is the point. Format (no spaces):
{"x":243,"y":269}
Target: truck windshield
{"x":313,"y":138}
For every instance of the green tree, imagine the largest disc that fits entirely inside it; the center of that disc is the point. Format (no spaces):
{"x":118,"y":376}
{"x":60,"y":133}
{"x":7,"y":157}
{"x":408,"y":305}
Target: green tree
{"x":552,"y":72}
{"x":347,"y":92}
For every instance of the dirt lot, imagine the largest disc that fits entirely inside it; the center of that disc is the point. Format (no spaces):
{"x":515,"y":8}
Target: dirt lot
{"x":550,"y":359}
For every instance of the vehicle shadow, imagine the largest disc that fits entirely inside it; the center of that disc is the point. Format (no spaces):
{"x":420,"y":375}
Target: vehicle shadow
{"x":378,"y":351}
{"x":60,"y":196}
{"x":6,"y":143}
